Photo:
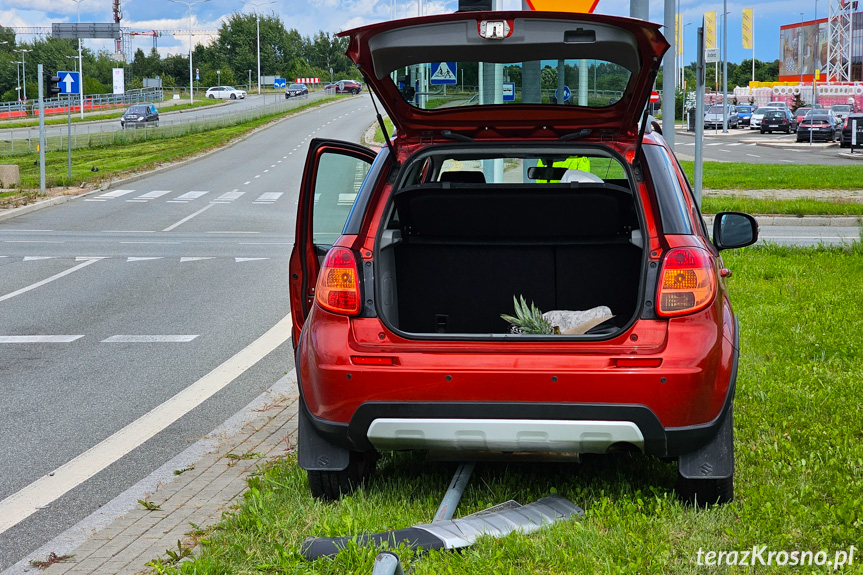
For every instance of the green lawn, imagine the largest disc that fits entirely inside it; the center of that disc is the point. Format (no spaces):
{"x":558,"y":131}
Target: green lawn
{"x":134,"y":150}
{"x":799,"y":463}
{"x":742,"y":176}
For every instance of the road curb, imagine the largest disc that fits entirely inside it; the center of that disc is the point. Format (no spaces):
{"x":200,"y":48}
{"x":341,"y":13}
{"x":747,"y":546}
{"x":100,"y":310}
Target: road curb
{"x":765,"y":220}
{"x":26,"y":209}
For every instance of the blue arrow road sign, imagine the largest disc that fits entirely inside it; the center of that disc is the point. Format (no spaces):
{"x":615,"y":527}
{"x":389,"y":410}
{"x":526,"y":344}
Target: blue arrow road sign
{"x":279,"y":83}
{"x":443,"y":73}
{"x":567,"y":94}
{"x":70,"y":82}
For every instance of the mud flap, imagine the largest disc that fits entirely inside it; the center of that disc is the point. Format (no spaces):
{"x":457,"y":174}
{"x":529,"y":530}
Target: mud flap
{"x":314,"y":453}
{"x":716,"y":459}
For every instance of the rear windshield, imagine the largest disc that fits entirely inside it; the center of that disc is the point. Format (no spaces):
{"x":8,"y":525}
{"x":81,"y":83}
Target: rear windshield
{"x":774,"y":115}
{"x":296,"y":87}
{"x":841,"y":108}
{"x":715,"y":110}
{"x":585,"y":83}
{"x":137,"y":110}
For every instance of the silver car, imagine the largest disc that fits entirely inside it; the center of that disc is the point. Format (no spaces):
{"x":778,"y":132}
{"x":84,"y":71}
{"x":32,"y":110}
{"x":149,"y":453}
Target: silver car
{"x":841,"y":111}
{"x":226,"y":93}
{"x":714,"y":117}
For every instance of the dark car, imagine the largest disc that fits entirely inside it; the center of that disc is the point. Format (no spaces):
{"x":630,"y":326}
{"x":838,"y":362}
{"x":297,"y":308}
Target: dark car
{"x":847,"y":127}
{"x":418,"y":272}
{"x":140,"y":116}
{"x":296,"y":90}
{"x":345,"y":87}
{"x":821,"y":124}
{"x":744,"y":114}
{"x":778,"y":120}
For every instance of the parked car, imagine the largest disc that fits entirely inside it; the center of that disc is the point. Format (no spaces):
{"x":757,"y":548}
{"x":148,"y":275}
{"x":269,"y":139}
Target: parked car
{"x":757,"y":116}
{"x":778,"y":119}
{"x":800,"y":113}
{"x":406,"y":259}
{"x":345,"y":87}
{"x":841,"y":111}
{"x":847,"y":126}
{"x":225,"y":93}
{"x":140,"y":116}
{"x":714,"y":118}
{"x":744,"y":113}
{"x":821,"y":123}
{"x":296,"y":90}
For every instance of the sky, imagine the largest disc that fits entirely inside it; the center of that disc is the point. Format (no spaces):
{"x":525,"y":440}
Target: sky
{"x":310,"y":16}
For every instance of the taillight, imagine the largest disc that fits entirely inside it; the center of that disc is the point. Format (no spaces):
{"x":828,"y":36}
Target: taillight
{"x":687,"y":282}
{"x":845,"y":124}
{"x":338,"y":288}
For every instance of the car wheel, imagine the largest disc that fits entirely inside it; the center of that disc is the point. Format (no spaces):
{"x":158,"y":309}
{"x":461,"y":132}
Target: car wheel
{"x":705,"y":492}
{"x":233,"y":96}
{"x":332,"y":485}
{"x":211,"y":96}
{"x":762,"y":130}
{"x":355,"y":91}
{"x":287,"y":97}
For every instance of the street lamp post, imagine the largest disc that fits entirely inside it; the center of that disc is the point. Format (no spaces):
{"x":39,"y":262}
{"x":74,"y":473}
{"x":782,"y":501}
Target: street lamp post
{"x":80,"y":63}
{"x":191,"y":82}
{"x":258,"y":29}
{"x":219,"y":76}
{"x":23,"y":70}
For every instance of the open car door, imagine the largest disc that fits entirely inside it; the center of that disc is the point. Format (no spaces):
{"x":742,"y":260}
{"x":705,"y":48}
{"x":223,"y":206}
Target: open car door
{"x":332,"y":177}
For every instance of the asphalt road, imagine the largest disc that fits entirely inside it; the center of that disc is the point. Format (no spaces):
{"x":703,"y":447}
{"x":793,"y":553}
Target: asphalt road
{"x":114,"y":304}
{"x":747,"y":146}
{"x":230,"y":107}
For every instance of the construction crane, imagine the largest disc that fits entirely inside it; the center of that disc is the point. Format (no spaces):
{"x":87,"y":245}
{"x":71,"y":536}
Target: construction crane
{"x":839,"y":40}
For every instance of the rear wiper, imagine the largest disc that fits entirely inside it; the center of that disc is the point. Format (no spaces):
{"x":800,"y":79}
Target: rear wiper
{"x":583,"y":133}
{"x":450,"y":135}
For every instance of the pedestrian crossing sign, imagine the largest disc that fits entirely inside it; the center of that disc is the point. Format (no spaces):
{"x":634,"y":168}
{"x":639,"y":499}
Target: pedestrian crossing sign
{"x":443,"y":73}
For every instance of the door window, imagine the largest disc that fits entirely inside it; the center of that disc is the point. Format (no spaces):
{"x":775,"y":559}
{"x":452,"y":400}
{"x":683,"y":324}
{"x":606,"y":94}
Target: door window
{"x":339,"y":178}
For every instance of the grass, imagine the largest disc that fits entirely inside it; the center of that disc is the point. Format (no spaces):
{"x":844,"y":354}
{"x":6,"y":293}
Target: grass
{"x":130,"y":153}
{"x":799,"y":451}
{"x":742,"y":176}
{"x":795,"y":207}
{"x":379,"y":135}
{"x":165,"y":106}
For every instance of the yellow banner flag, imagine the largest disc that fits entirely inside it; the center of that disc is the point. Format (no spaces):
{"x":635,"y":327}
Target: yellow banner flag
{"x":748,"y":26}
{"x":710,"y":30}
{"x":678,"y":41}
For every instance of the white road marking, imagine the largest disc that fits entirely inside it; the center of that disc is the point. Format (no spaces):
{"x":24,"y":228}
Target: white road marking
{"x":30,"y":242}
{"x":48,"y":280}
{"x":788,"y":161}
{"x":238,"y":260}
{"x":153,"y":195}
{"x":33,"y":258}
{"x":269,"y":197}
{"x":127,"y":231}
{"x":753,"y":156}
{"x":137,"y":201}
{"x":94,"y":200}
{"x":86,"y":258}
{"x":273,"y":166}
{"x":39,"y":338}
{"x":115,"y":194}
{"x":153,"y":243}
{"x":191,"y":196}
{"x":246,"y":183}
{"x":149,"y":339}
{"x":229,"y":196}
{"x":187,"y":218}
{"x":265,"y":171}
{"x":34,"y":230}
{"x":246,"y":233}
{"x":736,"y":144}
{"x":258,"y":176}
{"x":195,"y":259}
{"x":714,"y":144}
{"x":51,"y":487}
{"x":142,"y":259}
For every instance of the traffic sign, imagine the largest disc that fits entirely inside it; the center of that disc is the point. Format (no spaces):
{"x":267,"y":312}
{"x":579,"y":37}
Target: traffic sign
{"x":509,"y":91}
{"x":567,"y":94}
{"x":280,"y":83}
{"x":711,"y":55}
{"x":654,"y":97}
{"x":70,"y":82}
{"x":443,"y":73}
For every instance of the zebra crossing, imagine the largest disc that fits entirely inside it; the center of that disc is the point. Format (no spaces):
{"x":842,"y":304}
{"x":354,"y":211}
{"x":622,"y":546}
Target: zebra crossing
{"x":213,"y":197}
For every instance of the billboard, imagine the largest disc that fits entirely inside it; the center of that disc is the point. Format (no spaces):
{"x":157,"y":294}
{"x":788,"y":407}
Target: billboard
{"x":747,"y":28}
{"x":802,"y":49}
{"x":710,"y":30}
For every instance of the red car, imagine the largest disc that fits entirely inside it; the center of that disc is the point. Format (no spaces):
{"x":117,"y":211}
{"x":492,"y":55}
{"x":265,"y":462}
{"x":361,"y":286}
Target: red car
{"x":345,"y":87}
{"x":407,"y":263}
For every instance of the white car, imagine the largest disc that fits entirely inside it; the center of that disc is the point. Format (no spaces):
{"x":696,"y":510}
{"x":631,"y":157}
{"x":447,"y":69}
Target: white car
{"x":225,"y":93}
{"x":758,"y":113}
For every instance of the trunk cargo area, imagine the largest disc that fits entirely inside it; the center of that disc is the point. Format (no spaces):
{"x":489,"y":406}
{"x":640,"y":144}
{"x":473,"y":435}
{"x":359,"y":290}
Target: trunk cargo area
{"x":454,"y":255}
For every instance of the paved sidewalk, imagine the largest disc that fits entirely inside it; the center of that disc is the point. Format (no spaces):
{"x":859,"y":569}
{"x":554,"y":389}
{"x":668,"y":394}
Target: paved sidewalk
{"x":198,"y":495}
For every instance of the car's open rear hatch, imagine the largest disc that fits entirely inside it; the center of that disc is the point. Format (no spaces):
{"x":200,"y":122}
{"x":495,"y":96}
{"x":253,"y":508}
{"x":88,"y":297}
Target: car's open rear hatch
{"x":608,"y":66}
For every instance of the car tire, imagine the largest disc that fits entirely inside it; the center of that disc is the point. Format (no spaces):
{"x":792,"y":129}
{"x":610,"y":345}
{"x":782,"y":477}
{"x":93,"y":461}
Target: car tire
{"x":355,"y":91}
{"x":233,"y":96}
{"x":211,"y":96}
{"x":332,"y":485}
{"x":763,"y":130}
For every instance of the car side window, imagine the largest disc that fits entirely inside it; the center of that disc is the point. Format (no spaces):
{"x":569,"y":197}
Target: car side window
{"x":339,"y":178}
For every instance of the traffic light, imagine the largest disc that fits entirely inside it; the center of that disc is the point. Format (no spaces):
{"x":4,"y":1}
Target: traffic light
{"x":52,"y":84}
{"x":474,"y":5}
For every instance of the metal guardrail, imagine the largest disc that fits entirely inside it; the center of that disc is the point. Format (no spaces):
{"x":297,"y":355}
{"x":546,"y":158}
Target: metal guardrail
{"x":98,"y":135}
{"x":57,"y":105}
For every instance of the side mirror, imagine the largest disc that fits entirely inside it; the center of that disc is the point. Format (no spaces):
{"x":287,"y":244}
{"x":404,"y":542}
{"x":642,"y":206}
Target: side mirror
{"x":734,"y":230}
